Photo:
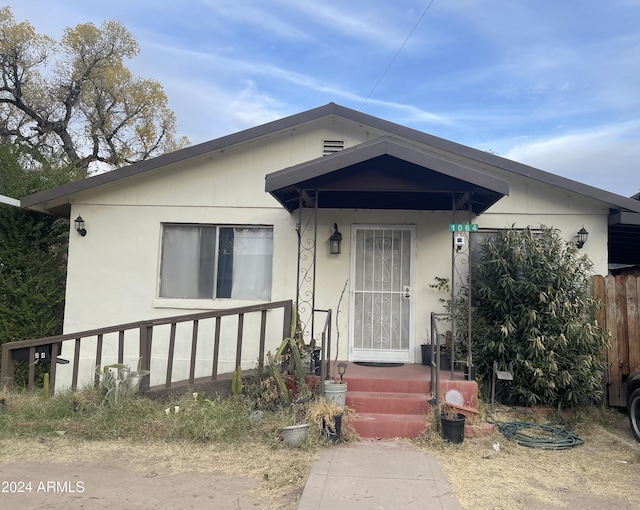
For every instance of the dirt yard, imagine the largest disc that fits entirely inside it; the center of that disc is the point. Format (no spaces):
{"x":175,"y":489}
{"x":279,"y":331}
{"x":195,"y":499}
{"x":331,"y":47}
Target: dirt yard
{"x":62,"y":474}
{"x":495,"y":474}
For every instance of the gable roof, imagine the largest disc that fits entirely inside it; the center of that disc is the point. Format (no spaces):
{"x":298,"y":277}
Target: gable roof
{"x":58,"y":200}
{"x":386,"y":173}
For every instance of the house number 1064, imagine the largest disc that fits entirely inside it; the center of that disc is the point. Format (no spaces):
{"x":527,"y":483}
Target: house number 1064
{"x":463,"y":227}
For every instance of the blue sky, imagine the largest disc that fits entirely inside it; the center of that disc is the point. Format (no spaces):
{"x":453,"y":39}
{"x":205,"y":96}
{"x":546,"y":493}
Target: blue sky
{"x":553,"y":84}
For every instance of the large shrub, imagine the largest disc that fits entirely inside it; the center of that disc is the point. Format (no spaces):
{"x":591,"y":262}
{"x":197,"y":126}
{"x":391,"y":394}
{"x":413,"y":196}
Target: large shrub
{"x":33,"y":251}
{"x":533,"y":306}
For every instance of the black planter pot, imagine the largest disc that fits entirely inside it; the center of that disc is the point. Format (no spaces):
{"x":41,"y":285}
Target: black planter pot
{"x":470,"y":373}
{"x":453,"y":428}
{"x":426,"y":354}
{"x":445,"y":361}
{"x":315,"y":362}
{"x":332,"y":436}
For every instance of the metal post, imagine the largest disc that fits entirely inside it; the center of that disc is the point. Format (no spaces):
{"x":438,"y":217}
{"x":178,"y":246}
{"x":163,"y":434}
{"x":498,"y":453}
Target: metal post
{"x":469,"y":265}
{"x":452,"y":355}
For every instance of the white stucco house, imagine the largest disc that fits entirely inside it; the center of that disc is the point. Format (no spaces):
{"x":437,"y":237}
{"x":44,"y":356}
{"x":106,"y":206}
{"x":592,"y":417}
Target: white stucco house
{"x":247,"y":218}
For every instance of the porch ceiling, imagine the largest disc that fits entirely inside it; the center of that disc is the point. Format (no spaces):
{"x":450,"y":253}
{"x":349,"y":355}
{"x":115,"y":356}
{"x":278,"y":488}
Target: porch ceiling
{"x":387,"y":173}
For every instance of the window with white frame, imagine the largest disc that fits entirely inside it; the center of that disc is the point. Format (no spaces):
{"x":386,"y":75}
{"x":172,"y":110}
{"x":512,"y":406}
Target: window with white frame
{"x":215,"y":261}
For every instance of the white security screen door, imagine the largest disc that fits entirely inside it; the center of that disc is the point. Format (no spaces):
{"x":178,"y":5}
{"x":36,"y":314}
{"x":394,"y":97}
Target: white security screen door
{"x":381,"y":322}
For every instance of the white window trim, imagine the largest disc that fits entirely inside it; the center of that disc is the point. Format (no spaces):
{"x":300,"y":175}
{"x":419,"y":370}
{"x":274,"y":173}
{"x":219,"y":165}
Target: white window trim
{"x":206,"y":303}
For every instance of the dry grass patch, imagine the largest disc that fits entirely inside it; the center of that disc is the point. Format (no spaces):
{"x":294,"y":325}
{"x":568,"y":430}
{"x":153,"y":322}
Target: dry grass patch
{"x":279,"y":472}
{"x":604,"y":470}
{"x":207,"y":436}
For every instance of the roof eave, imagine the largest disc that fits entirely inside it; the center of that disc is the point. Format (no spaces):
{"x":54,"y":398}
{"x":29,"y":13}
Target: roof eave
{"x":60,"y":197}
{"x":39,"y":201}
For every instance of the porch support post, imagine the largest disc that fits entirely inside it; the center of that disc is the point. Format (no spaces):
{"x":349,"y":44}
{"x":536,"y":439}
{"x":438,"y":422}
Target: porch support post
{"x":461,"y":269}
{"x":307,"y":230}
{"x":452,"y":354}
{"x":469,"y":354}
{"x":299,"y":233}
{"x":315,"y":254}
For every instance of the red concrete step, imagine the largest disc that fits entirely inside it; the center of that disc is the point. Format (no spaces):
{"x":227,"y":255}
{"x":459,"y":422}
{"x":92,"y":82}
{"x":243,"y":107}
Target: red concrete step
{"x":393,"y":402}
{"x":387,"y":402}
{"x":388,"y":426}
{"x":388,"y":385}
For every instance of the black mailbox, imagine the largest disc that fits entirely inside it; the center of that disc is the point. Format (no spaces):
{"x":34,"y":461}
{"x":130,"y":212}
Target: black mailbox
{"x":43,"y":352}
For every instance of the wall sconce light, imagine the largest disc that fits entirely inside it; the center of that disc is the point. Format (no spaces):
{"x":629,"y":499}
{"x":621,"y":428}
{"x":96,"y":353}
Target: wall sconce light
{"x":581,"y":238}
{"x":80,"y":226}
{"x":335,"y":240}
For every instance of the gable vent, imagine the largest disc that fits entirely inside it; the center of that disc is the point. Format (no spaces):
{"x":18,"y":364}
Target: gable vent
{"x":332,"y":146}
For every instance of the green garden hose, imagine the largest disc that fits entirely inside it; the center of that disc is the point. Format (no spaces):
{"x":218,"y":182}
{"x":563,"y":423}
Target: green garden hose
{"x":539,"y":436}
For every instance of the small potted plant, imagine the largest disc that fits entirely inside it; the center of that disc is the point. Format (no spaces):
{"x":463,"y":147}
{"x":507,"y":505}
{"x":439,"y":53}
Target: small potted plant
{"x":296,"y":433}
{"x":445,"y":352}
{"x":327,"y":416}
{"x":425,"y":351}
{"x":452,"y":422}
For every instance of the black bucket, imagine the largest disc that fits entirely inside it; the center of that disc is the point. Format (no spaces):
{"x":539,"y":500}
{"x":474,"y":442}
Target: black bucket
{"x":426,"y":354}
{"x":334,"y":437}
{"x":453,"y":428}
{"x":445,"y":361}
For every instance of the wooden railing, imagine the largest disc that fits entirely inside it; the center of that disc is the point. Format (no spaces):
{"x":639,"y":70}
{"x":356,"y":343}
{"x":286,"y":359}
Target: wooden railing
{"x":48,"y":349}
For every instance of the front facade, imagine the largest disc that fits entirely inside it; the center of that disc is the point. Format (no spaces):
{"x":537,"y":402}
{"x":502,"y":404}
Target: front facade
{"x":247,"y":218}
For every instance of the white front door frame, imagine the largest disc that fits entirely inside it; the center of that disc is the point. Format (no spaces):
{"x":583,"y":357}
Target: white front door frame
{"x":381,"y":309}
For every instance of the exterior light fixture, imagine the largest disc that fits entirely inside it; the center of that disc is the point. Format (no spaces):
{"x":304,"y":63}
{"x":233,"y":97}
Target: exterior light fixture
{"x":342,"y":368}
{"x":335,"y":240}
{"x":581,"y":237}
{"x":79,"y":222}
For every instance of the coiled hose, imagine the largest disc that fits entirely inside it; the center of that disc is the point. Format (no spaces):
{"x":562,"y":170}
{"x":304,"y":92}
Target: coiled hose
{"x":539,"y":436}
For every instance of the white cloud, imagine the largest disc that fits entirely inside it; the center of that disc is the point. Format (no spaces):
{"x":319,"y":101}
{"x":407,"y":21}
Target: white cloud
{"x":528,"y":79}
{"x":606,"y":157}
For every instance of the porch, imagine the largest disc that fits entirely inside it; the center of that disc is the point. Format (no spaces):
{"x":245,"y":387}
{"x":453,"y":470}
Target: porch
{"x":398,"y":204}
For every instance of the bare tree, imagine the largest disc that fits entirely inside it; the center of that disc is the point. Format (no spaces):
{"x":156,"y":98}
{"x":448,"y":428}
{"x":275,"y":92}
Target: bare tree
{"x":75,"y":98}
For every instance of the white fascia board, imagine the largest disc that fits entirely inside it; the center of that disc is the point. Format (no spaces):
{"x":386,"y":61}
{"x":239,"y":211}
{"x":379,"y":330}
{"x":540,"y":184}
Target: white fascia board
{"x":9,"y":201}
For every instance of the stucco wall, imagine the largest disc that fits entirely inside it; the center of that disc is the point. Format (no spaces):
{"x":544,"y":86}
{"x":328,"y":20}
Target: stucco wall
{"x":113,"y":271}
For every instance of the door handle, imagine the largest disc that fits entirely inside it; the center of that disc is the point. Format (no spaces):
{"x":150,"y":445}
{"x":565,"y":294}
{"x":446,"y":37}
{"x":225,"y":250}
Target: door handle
{"x":407,"y":292}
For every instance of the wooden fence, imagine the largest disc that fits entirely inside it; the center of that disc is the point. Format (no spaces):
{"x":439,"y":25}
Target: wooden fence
{"x":620,"y":315}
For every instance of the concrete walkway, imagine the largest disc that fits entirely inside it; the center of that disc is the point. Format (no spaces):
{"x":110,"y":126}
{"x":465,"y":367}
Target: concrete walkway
{"x":378,"y":475}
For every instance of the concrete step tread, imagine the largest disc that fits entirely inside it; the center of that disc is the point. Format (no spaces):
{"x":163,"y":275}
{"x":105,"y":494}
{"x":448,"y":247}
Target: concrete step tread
{"x":379,"y":425}
{"x":388,"y":394}
{"x":390,"y":385}
{"x":391,"y":417}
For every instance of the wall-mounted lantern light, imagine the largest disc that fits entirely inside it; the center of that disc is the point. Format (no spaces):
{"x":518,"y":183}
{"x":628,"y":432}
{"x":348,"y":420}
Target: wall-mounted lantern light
{"x":80,"y":226}
{"x":335,"y":240}
{"x":581,"y":238}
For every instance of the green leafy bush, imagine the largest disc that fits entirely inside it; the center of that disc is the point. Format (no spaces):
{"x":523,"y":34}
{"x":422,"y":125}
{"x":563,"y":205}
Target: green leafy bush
{"x":533,"y":306}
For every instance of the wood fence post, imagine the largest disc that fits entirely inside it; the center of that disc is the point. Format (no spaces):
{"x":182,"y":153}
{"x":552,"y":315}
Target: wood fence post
{"x":7,"y":370}
{"x":146,"y":331}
